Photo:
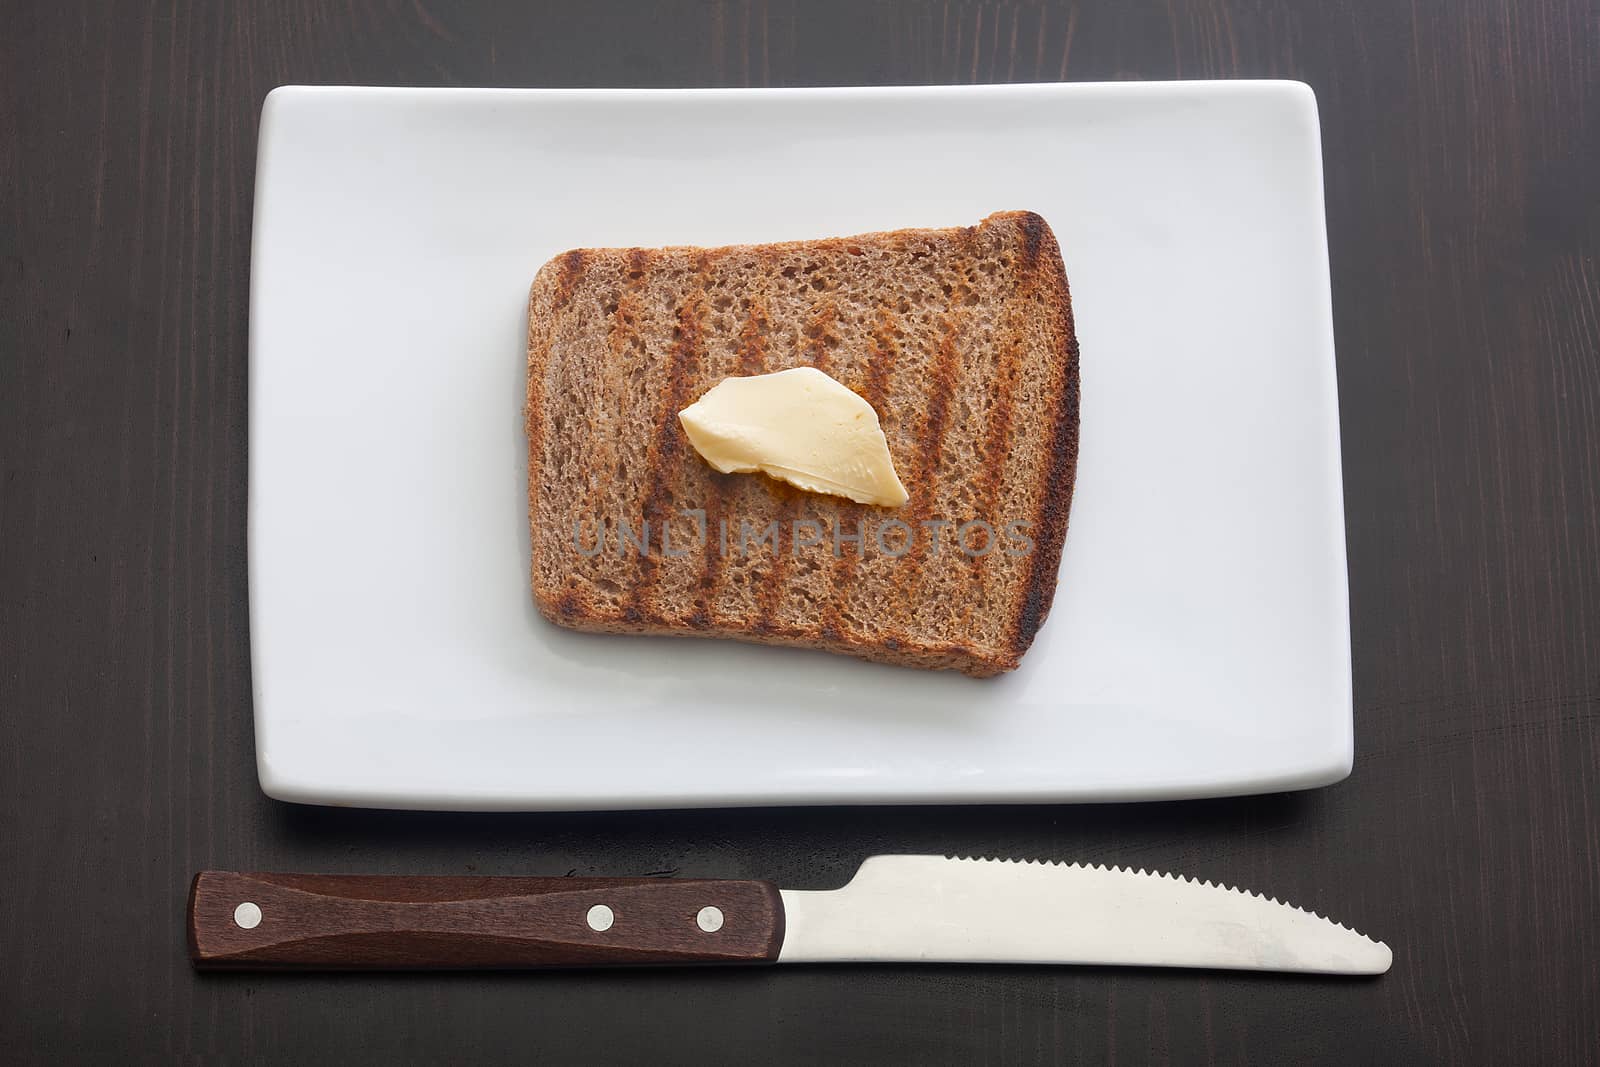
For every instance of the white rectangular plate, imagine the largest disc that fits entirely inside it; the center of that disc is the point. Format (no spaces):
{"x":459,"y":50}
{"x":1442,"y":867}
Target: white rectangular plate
{"x":1199,"y":643}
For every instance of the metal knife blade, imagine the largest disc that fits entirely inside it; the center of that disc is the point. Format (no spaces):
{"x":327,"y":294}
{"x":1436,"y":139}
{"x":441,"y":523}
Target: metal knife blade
{"x":952,"y":909}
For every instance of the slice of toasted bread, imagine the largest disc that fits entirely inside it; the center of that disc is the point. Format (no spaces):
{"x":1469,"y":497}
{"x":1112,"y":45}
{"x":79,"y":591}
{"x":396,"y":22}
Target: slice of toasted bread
{"x":961,"y":339}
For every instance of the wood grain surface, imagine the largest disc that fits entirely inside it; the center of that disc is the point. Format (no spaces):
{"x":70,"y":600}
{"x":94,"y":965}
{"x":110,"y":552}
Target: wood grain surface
{"x":443,"y":922}
{"x":1462,"y":144}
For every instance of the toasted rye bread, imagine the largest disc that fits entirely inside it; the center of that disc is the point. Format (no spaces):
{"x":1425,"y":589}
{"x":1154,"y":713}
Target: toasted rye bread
{"x":962,"y":340}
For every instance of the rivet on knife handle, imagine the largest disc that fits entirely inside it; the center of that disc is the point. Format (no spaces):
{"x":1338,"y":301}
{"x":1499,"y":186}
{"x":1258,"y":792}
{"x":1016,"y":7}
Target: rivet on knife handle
{"x":322,"y":921}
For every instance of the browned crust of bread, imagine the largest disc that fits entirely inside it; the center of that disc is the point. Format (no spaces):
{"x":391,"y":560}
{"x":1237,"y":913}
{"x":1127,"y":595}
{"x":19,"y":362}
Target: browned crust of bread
{"x":553,"y":288}
{"x":1062,"y":471}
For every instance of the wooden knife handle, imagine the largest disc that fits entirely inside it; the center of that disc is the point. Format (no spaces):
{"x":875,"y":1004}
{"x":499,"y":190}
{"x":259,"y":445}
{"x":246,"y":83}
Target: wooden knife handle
{"x":364,"y":922}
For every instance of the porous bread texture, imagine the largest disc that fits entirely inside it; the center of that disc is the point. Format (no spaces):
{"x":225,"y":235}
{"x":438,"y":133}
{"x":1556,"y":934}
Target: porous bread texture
{"x":962,"y":340}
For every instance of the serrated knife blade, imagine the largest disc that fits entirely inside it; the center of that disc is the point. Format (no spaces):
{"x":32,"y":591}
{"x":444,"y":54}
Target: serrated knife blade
{"x":959,"y":910}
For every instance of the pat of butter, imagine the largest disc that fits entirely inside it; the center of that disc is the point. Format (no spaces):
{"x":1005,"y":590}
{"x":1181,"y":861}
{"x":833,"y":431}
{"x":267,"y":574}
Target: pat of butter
{"x":800,"y":426}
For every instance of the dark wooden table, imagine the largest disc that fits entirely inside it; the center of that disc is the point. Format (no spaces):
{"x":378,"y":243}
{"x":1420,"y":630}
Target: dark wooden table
{"x":1462,"y":145}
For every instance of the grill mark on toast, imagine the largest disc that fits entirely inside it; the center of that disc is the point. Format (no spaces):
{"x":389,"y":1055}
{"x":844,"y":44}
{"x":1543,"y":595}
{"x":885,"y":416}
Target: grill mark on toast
{"x":930,"y":440}
{"x":623,"y":324}
{"x":1012,"y":343}
{"x":710,"y":567}
{"x":753,"y":338}
{"x":817,"y":336}
{"x":997,"y":432}
{"x":882,"y":355}
{"x":755,"y":359}
{"x":667,"y":442}
{"x":819,"y":333}
{"x":1034,"y":229}
{"x":567,"y":279}
{"x":771,"y":591}
{"x":752,"y":359}
{"x":749,"y":352}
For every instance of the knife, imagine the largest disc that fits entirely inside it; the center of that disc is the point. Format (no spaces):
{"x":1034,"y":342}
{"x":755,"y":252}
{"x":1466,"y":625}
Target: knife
{"x":922,"y":909}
